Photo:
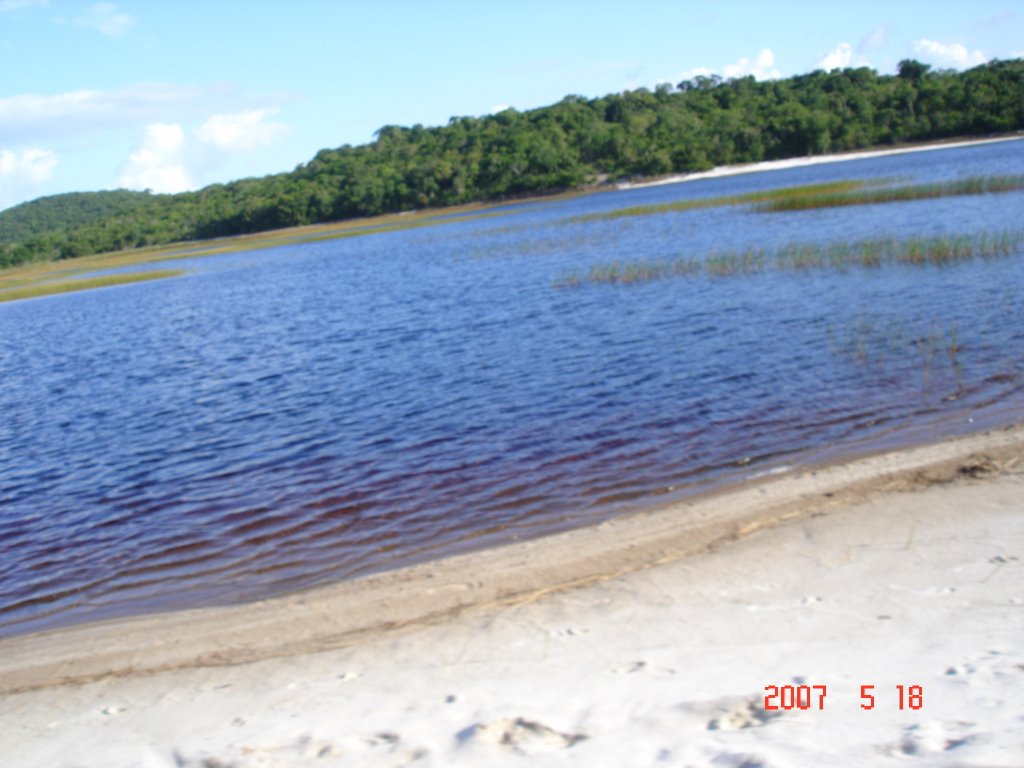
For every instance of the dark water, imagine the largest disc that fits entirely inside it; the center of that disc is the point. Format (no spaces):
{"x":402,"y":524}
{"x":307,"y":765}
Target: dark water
{"x":288,"y":417}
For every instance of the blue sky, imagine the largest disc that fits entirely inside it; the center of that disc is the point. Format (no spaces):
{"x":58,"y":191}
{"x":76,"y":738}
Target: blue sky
{"x":176,"y":95}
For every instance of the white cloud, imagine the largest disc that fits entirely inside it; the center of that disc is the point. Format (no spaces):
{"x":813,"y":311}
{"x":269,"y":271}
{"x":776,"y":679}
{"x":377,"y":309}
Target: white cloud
{"x":952,"y":55}
{"x":761,"y":68}
{"x":29,"y":165}
{"x":692,"y":73}
{"x":241,"y":131}
{"x":105,"y":18}
{"x":838,"y":58}
{"x":841,"y":57}
{"x":168,"y":159}
{"x":499,"y":108}
{"x":22,"y":171}
{"x":14,"y":5}
{"x":28,"y":117}
{"x":29,"y":106}
{"x":158,"y":163}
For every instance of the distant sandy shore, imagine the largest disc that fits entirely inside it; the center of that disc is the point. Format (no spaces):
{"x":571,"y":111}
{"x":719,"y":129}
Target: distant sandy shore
{"x":799,"y":162}
{"x":644,"y":640}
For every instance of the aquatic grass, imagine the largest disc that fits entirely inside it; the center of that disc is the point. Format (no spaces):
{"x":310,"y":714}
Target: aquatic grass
{"x":325,"y":232}
{"x":67,"y":286}
{"x":824,"y":195}
{"x":631,"y":272}
{"x":872,"y":253}
{"x":41,"y":278}
{"x":735,"y":263}
{"x":886,"y":344}
{"x":975,"y":185}
{"x":523,"y":247}
{"x":766,"y":196}
{"x":31,"y":272}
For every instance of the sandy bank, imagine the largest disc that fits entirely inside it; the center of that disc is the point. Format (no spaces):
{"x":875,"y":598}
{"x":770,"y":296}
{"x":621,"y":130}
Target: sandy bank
{"x":646,"y":640}
{"x":799,"y":162}
{"x":353,"y":611}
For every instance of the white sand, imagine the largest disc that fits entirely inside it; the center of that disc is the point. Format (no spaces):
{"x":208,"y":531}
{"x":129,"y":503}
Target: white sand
{"x":799,"y":162}
{"x":901,"y":569}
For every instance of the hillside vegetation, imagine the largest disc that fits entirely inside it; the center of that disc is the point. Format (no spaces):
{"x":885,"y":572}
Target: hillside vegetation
{"x":696,"y":125}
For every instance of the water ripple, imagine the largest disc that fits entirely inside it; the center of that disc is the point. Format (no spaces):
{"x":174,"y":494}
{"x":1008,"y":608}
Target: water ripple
{"x":352,"y":406}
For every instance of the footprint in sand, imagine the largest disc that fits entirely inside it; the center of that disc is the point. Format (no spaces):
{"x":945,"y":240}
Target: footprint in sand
{"x":786,"y":606}
{"x":732,"y":713}
{"x":746,"y":714}
{"x":567,"y":632}
{"x":932,"y":738}
{"x":203,"y":761}
{"x":385,"y":738}
{"x":738,"y":760}
{"x":403,"y":753}
{"x":297,"y":751}
{"x":632,"y":667}
{"x":985,"y":667}
{"x":961,"y":669}
{"x":520,"y":735}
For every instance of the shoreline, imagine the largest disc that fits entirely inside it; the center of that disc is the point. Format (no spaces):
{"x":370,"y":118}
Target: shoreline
{"x":435,"y":592}
{"x":33,"y":276}
{"x":859,"y":584}
{"x":800,"y":162}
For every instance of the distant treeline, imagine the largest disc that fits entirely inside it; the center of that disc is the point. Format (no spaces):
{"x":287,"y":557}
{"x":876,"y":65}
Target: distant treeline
{"x":695,"y":125}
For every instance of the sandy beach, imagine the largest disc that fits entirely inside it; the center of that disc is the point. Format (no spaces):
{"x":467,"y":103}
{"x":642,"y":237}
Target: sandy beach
{"x":646,"y":640}
{"x":800,"y":162}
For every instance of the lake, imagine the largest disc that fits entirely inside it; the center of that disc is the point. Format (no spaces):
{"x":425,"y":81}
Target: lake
{"x":290,"y":417}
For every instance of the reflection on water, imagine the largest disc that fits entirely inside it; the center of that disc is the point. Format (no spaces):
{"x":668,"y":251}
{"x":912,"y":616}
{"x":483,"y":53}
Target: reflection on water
{"x":288,"y":417}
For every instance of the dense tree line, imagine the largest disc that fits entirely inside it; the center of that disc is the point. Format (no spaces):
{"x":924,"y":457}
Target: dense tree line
{"x":71,"y":211}
{"x":695,"y":125}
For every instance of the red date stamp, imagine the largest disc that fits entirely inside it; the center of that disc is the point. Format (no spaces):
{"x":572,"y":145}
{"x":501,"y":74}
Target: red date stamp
{"x":805,"y":697}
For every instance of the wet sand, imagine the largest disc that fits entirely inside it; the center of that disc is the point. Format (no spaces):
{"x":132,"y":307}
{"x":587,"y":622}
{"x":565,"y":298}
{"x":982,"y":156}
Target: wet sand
{"x":644,"y":640}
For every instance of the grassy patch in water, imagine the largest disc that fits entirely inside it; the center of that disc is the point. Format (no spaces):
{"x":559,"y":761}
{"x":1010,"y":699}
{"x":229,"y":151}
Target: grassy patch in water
{"x":67,"y":286}
{"x":975,"y":185}
{"x":825,"y":195}
{"x":868,"y":254}
{"x":766,"y":196}
{"x":872,"y":341}
{"x":40,"y":278}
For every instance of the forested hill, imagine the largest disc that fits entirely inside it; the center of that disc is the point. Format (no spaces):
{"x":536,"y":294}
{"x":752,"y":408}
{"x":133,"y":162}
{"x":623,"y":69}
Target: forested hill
{"x":72,"y":210}
{"x":698,"y":124}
